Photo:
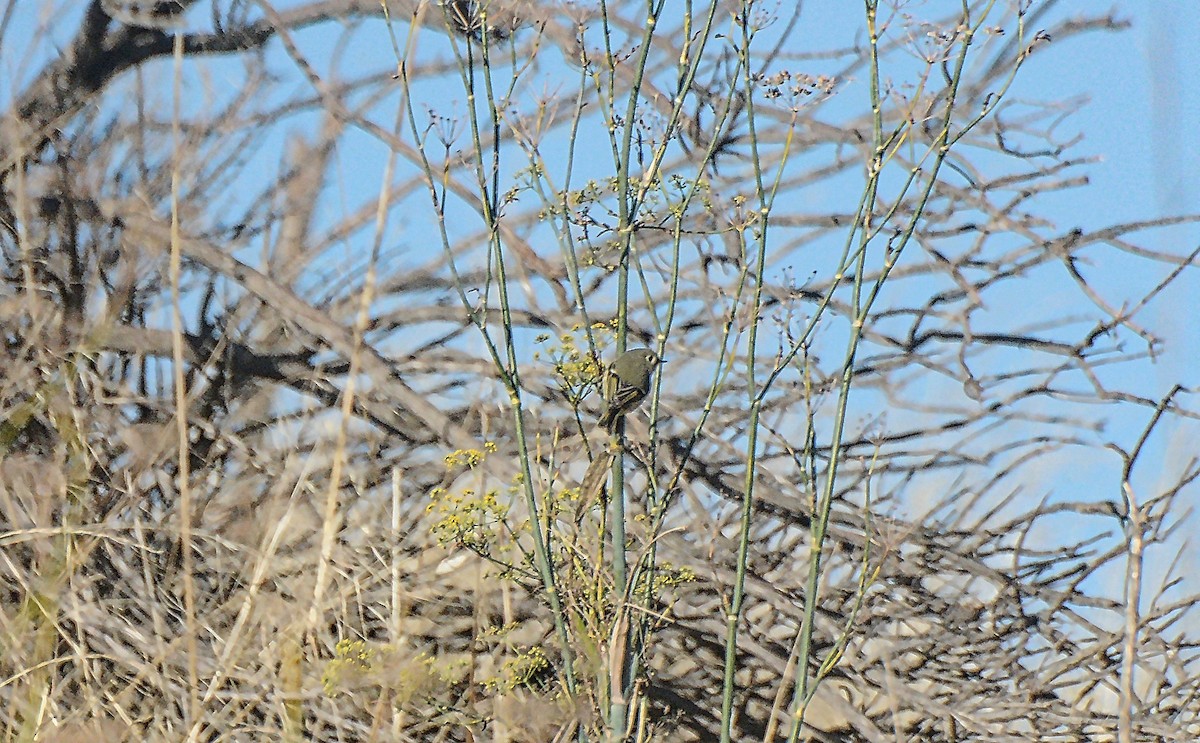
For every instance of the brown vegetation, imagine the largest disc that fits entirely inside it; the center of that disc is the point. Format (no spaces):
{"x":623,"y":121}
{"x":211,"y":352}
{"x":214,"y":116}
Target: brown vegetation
{"x":299,"y":360}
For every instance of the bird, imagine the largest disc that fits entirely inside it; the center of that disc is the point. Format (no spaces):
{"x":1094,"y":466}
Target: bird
{"x":626,"y":384}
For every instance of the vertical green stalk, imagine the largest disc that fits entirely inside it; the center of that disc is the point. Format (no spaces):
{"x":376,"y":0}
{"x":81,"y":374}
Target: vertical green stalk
{"x":620,"y":681}
{"x":511,"y":375}
{"x":820,"y":520}
{"x":734,"y":611}
{"x":506,"y":363}
{"x":867,"y":230}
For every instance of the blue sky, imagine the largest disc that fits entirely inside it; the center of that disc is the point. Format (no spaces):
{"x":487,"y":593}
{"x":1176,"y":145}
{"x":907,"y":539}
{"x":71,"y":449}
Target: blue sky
{"x":1141,"y":119}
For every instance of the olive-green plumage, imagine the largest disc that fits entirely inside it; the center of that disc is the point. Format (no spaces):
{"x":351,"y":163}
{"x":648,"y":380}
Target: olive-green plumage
{"x":627,"y":383}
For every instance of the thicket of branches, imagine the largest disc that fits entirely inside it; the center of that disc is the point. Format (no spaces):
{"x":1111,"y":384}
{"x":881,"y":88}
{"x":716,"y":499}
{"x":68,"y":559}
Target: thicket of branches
{"x":305,"y":308}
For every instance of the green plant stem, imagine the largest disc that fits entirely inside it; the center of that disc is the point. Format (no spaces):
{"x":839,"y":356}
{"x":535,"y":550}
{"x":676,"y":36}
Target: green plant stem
{"x":734,"y":611}
{"x":862,"y":304}
{"x":507,"y":366}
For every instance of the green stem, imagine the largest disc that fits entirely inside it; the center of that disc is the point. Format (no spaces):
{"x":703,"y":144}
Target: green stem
{"x":734,"y":612}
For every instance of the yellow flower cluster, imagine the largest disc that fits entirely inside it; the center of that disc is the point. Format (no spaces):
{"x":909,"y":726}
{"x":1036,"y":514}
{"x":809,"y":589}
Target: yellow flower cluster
{"x":411,"y":676}
{"x":575,"y":368}
{"x":469,"y":457}
{"x":466,"y":518}
{"x":519,"y":670}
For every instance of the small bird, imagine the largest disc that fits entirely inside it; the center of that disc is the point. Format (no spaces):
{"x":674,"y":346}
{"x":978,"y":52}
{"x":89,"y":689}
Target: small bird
{"x":626,"y":384}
